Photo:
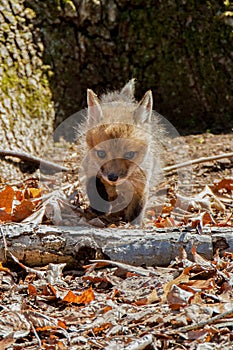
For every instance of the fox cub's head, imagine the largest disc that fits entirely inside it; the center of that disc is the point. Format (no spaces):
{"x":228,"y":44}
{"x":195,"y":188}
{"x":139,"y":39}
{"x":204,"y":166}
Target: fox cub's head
{"x":118,"y":134}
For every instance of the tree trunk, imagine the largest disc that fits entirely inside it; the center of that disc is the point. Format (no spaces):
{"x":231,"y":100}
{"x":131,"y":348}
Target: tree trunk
{"x":26,"y":107}
{"x":182,"y":50}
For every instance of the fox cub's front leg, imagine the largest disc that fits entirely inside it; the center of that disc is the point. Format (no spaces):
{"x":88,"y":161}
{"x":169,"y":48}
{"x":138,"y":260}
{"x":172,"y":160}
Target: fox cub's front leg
{"x":97,"y":195}
{"x":135,"y":210}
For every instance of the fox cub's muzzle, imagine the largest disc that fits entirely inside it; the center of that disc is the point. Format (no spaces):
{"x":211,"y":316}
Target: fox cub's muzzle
{"x":115,"y":171}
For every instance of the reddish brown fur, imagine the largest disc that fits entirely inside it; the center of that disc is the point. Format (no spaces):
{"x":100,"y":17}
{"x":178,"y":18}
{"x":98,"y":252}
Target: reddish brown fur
{"x":118,"y":127}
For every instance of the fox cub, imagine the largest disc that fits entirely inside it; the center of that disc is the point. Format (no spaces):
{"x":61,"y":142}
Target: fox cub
{"x":118,"y":162}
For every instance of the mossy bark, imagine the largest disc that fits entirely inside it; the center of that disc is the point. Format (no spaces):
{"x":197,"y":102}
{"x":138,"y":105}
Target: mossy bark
{"x":27,"y":113}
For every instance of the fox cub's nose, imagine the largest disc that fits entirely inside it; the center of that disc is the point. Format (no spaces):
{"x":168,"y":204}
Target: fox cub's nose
{"x":112,"y":177}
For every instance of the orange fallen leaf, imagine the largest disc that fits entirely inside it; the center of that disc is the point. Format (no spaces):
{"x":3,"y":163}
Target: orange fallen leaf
{"x":106,"y":309}
{"x":102,"y":328}
{"x":23,"y":210}
{"x":53,"y":290}
{"x":19,"y":195}
{"x":4,"y":217}
{"x":34,"y":192}
{"x":32,"y":289}
{"x":61,"y":324}
{"x":85,"y":298}
{"x":46,"y":291}
{"x":6,"y":199}
{"x":45,"y":328}
{"x":225,"y":183}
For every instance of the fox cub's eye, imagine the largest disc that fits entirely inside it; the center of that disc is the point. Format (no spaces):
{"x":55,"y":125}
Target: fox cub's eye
{"x":129,"y":155}
{"x":101,"y":154}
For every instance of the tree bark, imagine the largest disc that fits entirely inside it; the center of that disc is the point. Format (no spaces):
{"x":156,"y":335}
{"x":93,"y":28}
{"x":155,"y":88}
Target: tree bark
{"x":182,"y":50}
{"x":39,"y":245}
{"x":26,"y":107}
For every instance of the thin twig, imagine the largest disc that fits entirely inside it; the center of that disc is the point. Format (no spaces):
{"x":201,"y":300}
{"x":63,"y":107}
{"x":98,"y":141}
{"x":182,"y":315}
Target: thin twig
{"x":35,"y":160}
{"x":197,"y":161}
{"x":139,"y":270}
{"x":4,"y":241}
{"x":203,"y":323}
{"x":25,"y":344}
{"x":36,"y":335}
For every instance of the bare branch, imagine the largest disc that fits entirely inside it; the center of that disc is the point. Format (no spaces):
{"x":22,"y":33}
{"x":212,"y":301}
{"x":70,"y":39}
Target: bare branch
{"x":35,"y":160}
{"x":171,"y":168}
{"x":203,"y":323}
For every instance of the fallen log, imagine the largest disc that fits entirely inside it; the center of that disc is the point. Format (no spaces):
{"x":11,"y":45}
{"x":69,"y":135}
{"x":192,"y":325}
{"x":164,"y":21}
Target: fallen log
{"x":38,"y":245}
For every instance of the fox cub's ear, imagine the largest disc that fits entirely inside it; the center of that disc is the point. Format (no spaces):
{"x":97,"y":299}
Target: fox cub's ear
{"x":94,"y":109}
{"x":143,"y":112}
{"x":128,"y":89}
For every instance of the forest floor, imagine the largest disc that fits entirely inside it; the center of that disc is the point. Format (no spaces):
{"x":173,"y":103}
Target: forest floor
{"x":187,"y":305}
{"x":207,"y":145}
